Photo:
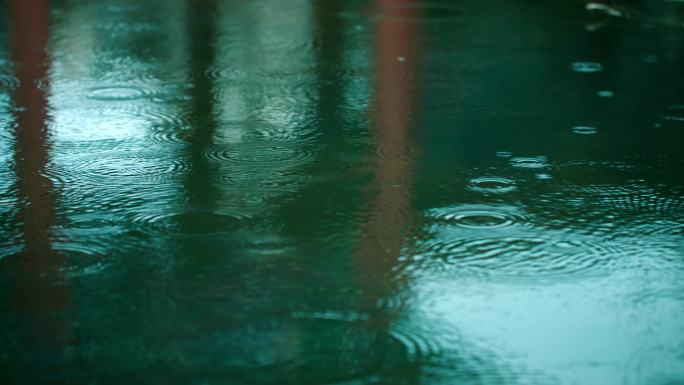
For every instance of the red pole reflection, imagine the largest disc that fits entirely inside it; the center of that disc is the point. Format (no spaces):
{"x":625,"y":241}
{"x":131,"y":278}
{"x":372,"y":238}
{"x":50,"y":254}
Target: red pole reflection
{"x":395,"y":60}
{"x":30,"y":34}
{"x":39,"y":298}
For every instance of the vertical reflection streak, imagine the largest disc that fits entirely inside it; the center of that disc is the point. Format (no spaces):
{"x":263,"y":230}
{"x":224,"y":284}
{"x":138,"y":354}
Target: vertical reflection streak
{"x":202,"y":192}
{"x":390,"y":211}
{"x":329,"y":54}
{"x":30,"y":38}
{"x":40,"y":295}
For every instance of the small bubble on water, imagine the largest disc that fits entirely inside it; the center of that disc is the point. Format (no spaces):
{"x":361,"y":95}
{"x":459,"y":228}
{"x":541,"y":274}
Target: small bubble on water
{"x":544,"y":176}
{"x":605,"y":94}
{"x":504,"y":154}
{"x":586,"y":67}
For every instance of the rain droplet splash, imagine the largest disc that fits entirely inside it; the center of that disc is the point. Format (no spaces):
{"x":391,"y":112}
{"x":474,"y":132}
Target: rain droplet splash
{"x":492,"y":184}
{"x":535,"y":258}
{"x":529,"y":162}
{"x":478,"y":216}
{"x":117,"y":93}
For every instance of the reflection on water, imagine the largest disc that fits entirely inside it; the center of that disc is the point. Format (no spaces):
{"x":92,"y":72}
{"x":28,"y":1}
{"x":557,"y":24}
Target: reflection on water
{"x":381,"y":191}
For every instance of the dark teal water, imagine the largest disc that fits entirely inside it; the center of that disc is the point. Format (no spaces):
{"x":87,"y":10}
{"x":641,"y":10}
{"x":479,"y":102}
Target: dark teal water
{"x":341,"y":192}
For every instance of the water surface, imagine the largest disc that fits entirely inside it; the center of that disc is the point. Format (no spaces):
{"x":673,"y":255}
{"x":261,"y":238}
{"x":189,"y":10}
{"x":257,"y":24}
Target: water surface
{"x":341,"y":192}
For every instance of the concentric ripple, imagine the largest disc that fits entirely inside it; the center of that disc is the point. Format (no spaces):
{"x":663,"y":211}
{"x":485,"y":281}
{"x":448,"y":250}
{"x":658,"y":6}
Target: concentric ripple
{"x":117,"y":93}
{"x":492,"y":184}
{"x":51,"y":181}
{"x":666,"y":231}
{"x":478,"y":216}
{"x":128,"y":167}
{"x":177,"y":135}
{"x":88,"y":224}
{"x":259,"y":154}
{"x":638,"y":199}
{"x":81,"y":259}
{"x":586,"y":67}
{"x":525,"y":258}
{"x":529,"y":162}
{"x":645,"y":202}
{"x":227,"y":73}
{"x":66,"y":259}
{"x":192,"y":223}
{"x":285,"y":134}
{"x":162,"y":119}
{"x":420,"y":344}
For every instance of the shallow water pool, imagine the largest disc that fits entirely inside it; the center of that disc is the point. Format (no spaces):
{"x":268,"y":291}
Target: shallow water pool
{"x":341,"y":192}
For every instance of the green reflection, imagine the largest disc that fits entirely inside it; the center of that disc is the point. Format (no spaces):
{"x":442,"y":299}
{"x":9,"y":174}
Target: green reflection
{"x":388,"y":191}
